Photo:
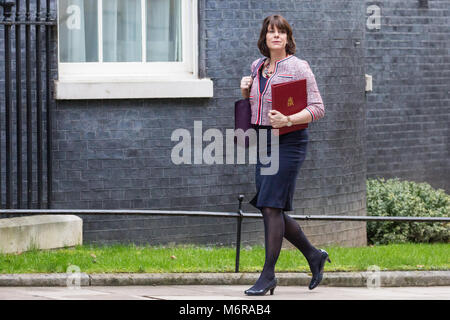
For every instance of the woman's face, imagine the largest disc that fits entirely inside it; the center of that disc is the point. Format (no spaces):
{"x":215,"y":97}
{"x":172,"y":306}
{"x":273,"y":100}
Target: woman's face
{"x":276,"y":39}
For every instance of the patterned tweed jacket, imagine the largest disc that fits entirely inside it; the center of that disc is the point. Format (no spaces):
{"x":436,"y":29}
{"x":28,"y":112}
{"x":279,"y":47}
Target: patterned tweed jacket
{"x":288,"y":69}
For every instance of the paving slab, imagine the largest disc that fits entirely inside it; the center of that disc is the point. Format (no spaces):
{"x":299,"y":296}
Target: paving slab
{"x":222,"y":292}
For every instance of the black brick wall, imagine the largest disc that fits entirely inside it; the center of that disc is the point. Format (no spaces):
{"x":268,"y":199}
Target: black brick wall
{"x":408,"y":110}
{"x":115,"y":154}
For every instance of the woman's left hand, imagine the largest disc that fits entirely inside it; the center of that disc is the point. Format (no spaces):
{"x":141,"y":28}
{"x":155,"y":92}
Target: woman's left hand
{"x":277,"y":119}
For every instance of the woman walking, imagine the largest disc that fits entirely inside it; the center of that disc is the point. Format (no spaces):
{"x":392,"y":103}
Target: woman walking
{"x":275,"y":192}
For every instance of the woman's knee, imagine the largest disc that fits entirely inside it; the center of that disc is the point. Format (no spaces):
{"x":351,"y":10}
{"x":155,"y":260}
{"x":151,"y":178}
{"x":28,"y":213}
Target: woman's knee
{"x":271,"y":211}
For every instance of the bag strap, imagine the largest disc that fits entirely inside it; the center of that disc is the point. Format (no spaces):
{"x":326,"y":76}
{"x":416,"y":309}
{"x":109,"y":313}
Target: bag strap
{"x":258,"y":65}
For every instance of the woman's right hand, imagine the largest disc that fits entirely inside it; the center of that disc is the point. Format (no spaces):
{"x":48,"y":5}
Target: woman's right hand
{"x":246,"y":83}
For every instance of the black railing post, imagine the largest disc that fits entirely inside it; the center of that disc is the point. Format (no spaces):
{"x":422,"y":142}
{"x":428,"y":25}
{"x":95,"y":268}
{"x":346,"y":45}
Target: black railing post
{"x":39,"y":104}
{"x":29,"y":107}
{"x":238,"y":233}
{"x":7,"y":12}
{"x":48,"y":108}
{"x":19,"y":106}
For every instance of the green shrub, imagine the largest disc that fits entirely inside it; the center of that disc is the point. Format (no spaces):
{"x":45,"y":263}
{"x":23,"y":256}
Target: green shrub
{"x":405,"y":198}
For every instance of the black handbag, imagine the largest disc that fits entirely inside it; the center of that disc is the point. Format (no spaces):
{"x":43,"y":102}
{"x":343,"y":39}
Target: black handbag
{"x":243,"y":112}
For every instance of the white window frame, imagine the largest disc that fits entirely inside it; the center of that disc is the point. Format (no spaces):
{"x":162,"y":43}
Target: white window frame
{"x":120,"y":80}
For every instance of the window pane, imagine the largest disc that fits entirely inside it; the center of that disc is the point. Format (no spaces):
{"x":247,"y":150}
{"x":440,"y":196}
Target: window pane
{"x":164,"y":30}
{"x":122,"y":37}
{"x":78,"y":35}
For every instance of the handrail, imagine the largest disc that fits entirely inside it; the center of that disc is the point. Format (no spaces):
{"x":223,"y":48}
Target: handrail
{"x":219,"y":214}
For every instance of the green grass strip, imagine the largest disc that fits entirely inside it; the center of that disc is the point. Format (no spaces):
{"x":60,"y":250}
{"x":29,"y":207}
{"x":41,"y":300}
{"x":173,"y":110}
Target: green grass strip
{"x":189,"y":258}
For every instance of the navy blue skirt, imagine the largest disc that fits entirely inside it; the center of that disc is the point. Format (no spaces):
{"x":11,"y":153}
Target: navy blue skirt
{"x":277,"y":190}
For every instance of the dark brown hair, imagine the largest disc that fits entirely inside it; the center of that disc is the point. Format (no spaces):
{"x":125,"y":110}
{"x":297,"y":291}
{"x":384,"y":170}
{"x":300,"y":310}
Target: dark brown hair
{"x":281,"y":24}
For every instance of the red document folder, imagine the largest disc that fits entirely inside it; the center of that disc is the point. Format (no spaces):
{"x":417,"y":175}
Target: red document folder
{"x":289,"y":98}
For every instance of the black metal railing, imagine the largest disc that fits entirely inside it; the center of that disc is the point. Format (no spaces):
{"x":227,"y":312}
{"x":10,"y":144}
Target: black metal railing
{"x":43,"y":24}
{"x":239,"y":215}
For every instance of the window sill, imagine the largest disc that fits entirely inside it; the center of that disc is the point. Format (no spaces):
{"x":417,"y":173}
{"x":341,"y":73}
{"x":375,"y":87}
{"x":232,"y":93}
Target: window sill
{"x":133,"y":89}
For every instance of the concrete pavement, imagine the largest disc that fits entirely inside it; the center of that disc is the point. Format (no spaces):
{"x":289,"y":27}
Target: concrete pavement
{"x":377,"y":285}
{"x":222,"y":292}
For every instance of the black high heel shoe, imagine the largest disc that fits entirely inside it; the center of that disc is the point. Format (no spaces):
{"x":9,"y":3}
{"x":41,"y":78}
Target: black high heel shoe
{"x":318,"y":277}
{"x":270,"y":286}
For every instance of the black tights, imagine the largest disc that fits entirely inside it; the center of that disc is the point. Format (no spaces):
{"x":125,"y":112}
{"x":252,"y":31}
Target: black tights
{"x":277,"y":225}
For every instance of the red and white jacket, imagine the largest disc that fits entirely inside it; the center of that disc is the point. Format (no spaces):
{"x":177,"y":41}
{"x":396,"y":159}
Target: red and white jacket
{"x":288,"y":69}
